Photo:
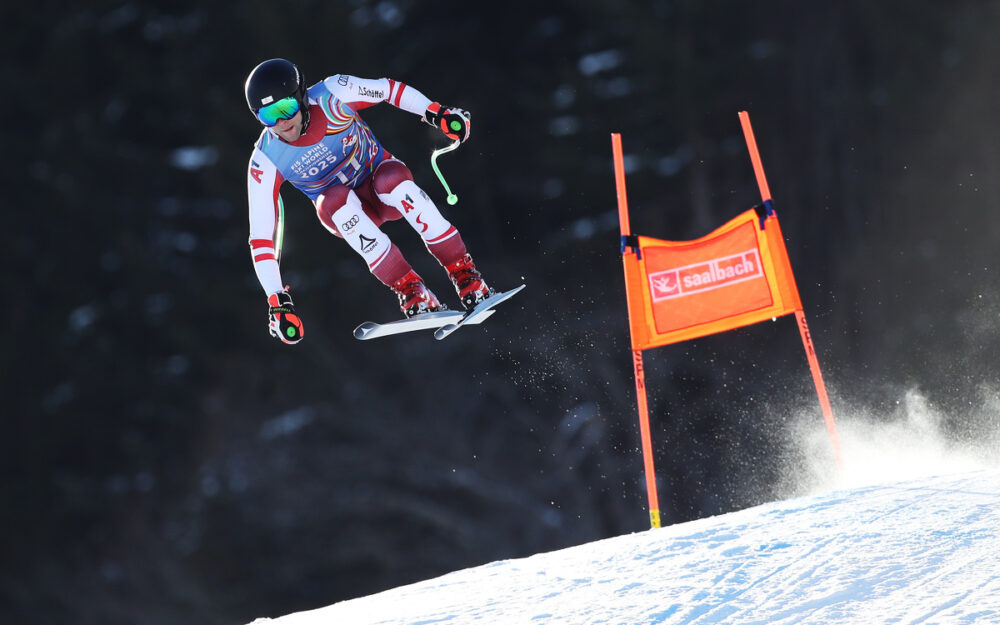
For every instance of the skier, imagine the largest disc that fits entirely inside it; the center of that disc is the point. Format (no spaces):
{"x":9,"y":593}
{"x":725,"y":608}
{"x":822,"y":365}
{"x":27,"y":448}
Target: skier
{"x":315,"y":139}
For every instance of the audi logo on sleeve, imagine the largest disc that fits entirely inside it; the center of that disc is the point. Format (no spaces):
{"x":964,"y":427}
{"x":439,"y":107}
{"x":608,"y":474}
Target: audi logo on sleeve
{"x":350,"y":223}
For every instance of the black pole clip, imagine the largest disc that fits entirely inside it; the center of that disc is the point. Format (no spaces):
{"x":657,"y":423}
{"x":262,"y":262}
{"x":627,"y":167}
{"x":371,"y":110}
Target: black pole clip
{"x":764,"y":210}
{"x":631,"y":240}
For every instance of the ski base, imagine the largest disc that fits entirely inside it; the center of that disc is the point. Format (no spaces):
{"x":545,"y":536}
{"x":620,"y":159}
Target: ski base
{"x":478,"y":313}
{"x":427,"y":321}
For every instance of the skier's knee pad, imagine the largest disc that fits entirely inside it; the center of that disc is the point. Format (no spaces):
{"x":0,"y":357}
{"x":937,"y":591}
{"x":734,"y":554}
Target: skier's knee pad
{"x":417,"y":209}
{"x":389,"y":174}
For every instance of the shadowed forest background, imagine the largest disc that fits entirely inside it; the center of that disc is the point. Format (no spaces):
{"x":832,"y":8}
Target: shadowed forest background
{"x":166,"y":461}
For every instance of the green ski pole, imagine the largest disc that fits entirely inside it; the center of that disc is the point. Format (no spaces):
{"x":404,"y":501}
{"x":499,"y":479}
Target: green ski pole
{"x":452,"y":198}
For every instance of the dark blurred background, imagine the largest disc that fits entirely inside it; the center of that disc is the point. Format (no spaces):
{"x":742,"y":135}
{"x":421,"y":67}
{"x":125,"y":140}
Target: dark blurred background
{"x":166,"y":461}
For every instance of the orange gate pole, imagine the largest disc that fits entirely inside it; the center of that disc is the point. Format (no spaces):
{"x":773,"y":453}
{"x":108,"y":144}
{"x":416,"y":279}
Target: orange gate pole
{"x":640,"y":376}
{"x":800,"y":316}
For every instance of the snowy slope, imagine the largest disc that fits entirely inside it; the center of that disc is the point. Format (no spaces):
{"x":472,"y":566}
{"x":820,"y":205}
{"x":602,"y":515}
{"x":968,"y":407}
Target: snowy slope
{"x":920,"y":551}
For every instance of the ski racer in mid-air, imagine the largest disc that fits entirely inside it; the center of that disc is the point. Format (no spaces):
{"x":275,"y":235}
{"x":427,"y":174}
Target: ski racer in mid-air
{"x":315,"y":139}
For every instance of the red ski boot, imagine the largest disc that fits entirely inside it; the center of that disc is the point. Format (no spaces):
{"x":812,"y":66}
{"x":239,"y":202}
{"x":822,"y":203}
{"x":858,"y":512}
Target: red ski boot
{"x":415,"y":298}
{"x":468,"y":281}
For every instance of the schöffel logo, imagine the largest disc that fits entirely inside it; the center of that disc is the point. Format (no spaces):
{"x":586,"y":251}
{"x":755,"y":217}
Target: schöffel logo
{"x":705,"y":276}
{"x":365,"y":92}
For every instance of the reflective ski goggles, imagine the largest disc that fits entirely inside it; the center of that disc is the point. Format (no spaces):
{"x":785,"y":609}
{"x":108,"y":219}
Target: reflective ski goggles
{"x":285,"y":108}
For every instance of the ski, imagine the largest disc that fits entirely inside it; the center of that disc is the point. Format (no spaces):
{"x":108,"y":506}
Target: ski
{"x":478,"y":313}
{"x":427,"y":321}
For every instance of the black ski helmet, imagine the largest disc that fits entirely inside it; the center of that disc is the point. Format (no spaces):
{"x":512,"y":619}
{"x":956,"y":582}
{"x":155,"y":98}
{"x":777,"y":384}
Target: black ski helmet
{"x":273,"y":80}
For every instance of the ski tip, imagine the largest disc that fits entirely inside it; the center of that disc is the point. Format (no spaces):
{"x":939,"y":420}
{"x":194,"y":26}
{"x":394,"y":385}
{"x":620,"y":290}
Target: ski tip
{"x":362,"y":331}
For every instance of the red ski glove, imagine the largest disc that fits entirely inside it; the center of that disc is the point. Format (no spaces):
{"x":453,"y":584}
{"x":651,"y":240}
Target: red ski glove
{"x":455,"y":123}
{"x":283,"y":323}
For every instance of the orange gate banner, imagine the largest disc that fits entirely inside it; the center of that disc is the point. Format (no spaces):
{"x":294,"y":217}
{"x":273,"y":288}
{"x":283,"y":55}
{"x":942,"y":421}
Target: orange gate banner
{"x":735,"y":276}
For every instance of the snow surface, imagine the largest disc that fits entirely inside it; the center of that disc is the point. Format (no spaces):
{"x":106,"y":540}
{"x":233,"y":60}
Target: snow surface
{"x":908,"y":532}
{"x":911,"y":552}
